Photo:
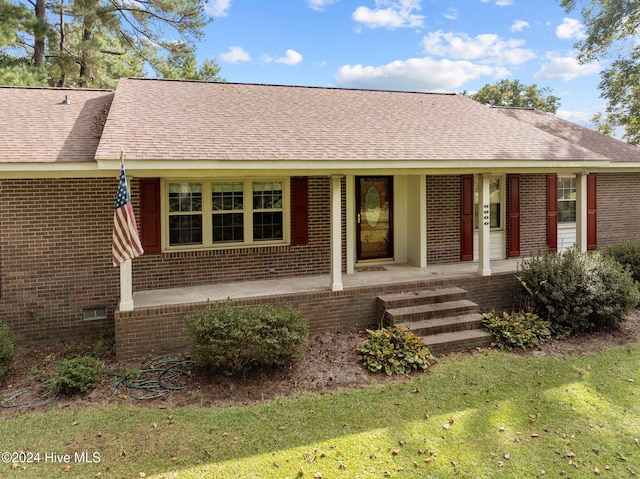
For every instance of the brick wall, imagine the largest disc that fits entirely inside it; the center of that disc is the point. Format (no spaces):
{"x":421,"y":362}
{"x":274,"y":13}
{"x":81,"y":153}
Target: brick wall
{"x":533,"y":211}
{"x":160,"y":330}
{"x":618,"y":201}
{"x":443,"y":219}
{"x":56,"y":256}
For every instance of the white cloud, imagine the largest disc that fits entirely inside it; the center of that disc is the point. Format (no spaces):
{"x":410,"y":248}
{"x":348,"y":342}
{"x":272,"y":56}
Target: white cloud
{"x":291,"y":58}
{"x":488,"y":47}
{"x":580,"y":117}
{"x":570,"y":29}
{"x":390,"y":14}
{"x":566,"y":68}
{"x":414,"y":74}
{"x":235,"y":55}
{"x":519,"y":25}
{"x":320,"y":5}
{"x":451,"y":14}
{"x":499,"y":3}
{"x":218,"y":8}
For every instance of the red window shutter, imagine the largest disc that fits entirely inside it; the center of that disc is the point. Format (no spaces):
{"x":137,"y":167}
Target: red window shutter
{"x":299,"y":210}
{"x":466,"y":214}
{"x":592,"y":210}
{"x":150,"y":215}
{"x":552,"y":213}
{"x":514,"y":216}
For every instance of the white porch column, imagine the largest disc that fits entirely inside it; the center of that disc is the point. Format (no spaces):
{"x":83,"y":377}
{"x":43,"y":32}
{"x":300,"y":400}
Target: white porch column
{"x":126,"y":286}
{"x":484,"y":226}
{"x":581,"y":211}
{"x":336,"y":234}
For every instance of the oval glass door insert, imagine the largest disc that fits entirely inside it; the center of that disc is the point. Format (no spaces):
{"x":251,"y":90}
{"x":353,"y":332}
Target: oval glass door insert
{"x":372,"y":207}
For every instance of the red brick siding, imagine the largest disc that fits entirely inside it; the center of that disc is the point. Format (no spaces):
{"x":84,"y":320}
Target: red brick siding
{"x":533,"y":207}
{"x":443,"y":219}
{"x":160,"y":330}
{"x":56,"y":256}
{"x":618,"y":202}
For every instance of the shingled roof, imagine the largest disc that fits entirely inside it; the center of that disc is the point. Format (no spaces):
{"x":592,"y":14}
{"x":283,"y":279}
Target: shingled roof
{"x":615,"y":150}
{"x":39,"y":127}
{"x":181,"y":120}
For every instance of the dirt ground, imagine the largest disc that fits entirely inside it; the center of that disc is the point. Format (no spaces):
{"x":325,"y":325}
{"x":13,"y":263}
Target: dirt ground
{"x":328,"y":362}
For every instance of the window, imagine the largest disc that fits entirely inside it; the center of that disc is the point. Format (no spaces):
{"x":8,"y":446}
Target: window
{"x":495,"y":202}
{"x":225,"y":213}
{"x":567,"y":200}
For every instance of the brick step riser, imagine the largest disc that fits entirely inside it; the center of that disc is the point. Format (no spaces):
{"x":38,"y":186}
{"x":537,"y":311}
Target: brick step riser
{"x":394,"y":318}
{"x":451,"y":327}
{"x":418,"y":300}
{"x":454,"y":347}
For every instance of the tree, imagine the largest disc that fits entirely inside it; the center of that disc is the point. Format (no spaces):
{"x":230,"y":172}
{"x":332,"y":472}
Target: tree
{"x":613,"y":30}
{"x":515,"y":94}
{"x":95,"y":42}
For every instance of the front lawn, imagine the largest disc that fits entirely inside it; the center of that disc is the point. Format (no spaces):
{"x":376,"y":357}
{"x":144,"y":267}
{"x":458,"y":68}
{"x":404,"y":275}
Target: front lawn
{"x":486,"y":415}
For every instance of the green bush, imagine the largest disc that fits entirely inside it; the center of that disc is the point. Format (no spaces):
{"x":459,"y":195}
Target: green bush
{"x":77,"y":375}
{"x":628,"y":254}
{"x":234,"y":339}
{"x":578,"y":291}
{"x":517,"y":330}
{"x":7,"y":348}
{"x":394,"y":350}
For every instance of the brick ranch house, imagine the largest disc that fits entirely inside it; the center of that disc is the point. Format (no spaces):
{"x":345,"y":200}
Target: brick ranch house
{"x":325,"y":198}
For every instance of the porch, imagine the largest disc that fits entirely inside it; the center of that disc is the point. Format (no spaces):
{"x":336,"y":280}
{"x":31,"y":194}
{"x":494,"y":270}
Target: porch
{"x":155,"y":324}
{"x":364,"y":276}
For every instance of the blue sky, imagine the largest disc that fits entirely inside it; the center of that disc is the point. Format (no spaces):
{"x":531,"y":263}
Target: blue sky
{"x":416,"y":45}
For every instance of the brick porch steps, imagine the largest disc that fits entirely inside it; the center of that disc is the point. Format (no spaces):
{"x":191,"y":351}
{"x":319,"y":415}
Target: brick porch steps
{"x":444,"y":318}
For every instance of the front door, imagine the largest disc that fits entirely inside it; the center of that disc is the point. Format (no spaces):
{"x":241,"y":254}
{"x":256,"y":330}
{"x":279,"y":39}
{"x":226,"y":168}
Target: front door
{"x":374,"y":217}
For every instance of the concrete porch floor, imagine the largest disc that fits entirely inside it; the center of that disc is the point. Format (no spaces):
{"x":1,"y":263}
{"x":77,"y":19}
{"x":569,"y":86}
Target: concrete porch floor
{"x":366,"y":275}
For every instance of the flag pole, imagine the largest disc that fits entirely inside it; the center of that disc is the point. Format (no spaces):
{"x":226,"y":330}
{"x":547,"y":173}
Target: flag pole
{"x":126,"y":242}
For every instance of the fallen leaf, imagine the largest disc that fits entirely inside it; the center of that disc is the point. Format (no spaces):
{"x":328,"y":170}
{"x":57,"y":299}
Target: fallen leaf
{"x":174,"y":458}
{"x":533,"y":434}
{"x":596,"y":470}
{"x":446,"y":426}
{"x":571,"y":454}
{"x":66,"y":468}
{"x":500,"y":463}
{"x":142,"y":474}
{"x":317,"y":475}
{"x":395,"y":451}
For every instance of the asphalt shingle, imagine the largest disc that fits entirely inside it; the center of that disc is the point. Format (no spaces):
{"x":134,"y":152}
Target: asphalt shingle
{"x":36,"y":126}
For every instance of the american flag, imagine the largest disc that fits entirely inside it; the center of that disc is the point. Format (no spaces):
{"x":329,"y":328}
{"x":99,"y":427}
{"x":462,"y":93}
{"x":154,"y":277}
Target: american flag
{"x":126,"y":243}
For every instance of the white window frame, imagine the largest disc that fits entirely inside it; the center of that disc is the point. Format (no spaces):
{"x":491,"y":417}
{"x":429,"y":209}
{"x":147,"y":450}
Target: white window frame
{"x":575,"y":200}
{"x":207,"y":213}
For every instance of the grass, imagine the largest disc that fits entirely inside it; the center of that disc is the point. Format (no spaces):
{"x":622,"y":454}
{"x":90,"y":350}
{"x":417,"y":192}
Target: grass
{"x":485,"y":415}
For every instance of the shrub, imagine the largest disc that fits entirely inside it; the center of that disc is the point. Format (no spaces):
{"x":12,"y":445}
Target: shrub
{"x":77,"y":375}
{"x":578,"y":291}
{"x":517,"y":330}
{"x":234,"y":339}
{"x":7,"y":348}
{"x":628,"y":254}
{"x":394,"y":350}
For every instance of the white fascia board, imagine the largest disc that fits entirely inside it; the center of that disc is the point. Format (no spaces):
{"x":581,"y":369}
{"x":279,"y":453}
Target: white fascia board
{"x":348,"y":167}
{"x":52,"y":170}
